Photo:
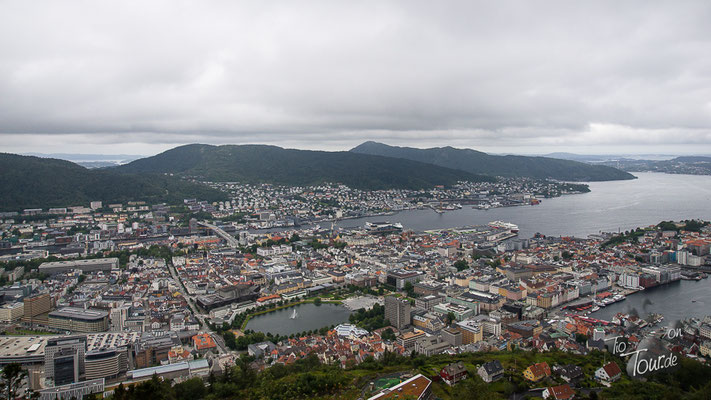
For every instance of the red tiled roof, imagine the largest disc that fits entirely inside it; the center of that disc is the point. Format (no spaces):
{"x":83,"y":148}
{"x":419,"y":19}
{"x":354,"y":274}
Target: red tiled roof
{"x":612,"y":369}
{"x":203,"y":341}
{"x":562,"y":392}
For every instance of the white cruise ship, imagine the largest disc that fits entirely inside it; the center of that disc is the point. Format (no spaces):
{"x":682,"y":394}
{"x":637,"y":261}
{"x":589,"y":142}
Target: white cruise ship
{"x":504,"y":225}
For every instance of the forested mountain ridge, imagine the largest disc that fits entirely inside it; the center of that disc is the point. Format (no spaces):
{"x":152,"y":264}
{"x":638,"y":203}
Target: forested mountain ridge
{"x":34,"y":182}
{"x":477,"y":162}
{"x":272,"y":164}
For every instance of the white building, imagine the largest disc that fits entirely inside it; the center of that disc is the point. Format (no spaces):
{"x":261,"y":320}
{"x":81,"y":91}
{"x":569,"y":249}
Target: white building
{"x":348,"y":330}
{"x":629,"y":280}
{"x":274,"y":250}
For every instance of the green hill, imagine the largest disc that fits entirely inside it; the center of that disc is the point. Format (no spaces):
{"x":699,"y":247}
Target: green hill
{"x":33,"y":182}
{"x":271,"y":164}
{"x":481,"y":163}
{"x":307,"y":378}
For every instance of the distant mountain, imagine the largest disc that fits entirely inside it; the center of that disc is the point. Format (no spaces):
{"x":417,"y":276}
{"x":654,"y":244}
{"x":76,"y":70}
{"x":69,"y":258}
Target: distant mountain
{"x":271,"y":164}
{"x":81,"y":157}
{"x":589,"y":158}
{"x":97,"y":164}
{"x":33,"y":182}
{"x":691,"y":165}
{"x":90,"y":160}
{"x":481,"y":163}
{"x":598,"y":158}
{"x":692,"y":159}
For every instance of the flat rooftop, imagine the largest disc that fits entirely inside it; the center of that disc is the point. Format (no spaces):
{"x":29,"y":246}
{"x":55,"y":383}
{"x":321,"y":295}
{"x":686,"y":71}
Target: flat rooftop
{"x":19,"y":346}
{"x":78,"y":263}
{"x":79,"y":313}
{"x":111,"y":340}
{"x":414,"y":388}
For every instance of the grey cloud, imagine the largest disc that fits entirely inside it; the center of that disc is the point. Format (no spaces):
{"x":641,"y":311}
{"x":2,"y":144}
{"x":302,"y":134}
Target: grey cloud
{"x":333,"y":73}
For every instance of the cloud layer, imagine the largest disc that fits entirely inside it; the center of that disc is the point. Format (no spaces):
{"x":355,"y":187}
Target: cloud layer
{"x":143,"y":76}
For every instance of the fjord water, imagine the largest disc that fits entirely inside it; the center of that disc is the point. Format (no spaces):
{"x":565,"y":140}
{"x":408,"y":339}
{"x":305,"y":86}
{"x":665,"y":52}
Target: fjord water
{"x":675,"y":301}
{"x":609,"y":207}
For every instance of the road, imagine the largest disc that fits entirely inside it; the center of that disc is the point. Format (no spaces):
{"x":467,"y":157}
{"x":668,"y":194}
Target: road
{"x":537,"y":392}
{"x":231,"y":240}
{"x":221,"y":347}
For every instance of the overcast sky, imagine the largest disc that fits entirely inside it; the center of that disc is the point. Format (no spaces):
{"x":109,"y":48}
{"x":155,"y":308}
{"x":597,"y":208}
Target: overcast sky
{"x":140,"y":77}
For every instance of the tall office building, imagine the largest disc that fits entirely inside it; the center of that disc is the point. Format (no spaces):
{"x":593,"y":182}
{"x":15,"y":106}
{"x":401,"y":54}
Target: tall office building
{"x":64,"y":359}
{"x":66,"y":367}
{"x":35,"y":307}
{"x":397,"y":311}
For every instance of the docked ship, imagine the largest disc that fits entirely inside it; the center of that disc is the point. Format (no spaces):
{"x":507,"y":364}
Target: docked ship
{"x":383,"y":227}
{"x":504,"y":225}
{"x":613,"y":299}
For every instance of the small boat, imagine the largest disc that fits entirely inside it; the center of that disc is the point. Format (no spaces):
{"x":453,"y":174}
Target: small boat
{"x":294,"y":315}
